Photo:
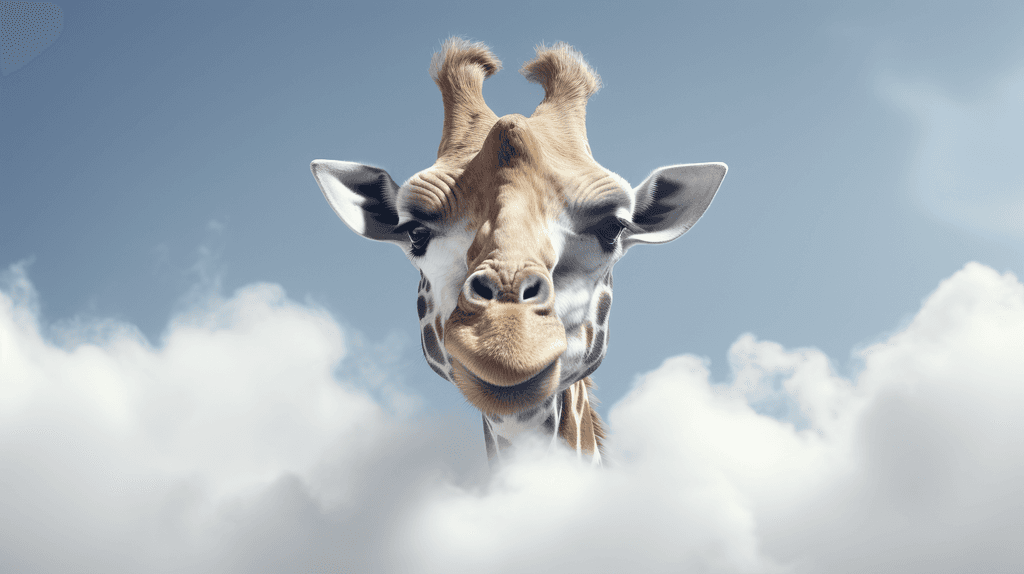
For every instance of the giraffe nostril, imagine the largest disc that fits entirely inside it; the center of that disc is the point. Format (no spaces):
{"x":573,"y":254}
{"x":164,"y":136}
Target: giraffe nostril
{"x":481,"y":289}
{"x":534,"y":290}
{"x":531,"y":291}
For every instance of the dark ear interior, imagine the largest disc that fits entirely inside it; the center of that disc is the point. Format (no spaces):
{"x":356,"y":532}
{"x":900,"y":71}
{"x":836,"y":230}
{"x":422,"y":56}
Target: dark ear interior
{"x":672,"y":199}
{"x":362,"y":196}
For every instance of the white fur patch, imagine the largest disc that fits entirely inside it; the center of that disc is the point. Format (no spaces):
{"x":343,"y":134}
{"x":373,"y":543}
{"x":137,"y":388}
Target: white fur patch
{"x":444,"y":266}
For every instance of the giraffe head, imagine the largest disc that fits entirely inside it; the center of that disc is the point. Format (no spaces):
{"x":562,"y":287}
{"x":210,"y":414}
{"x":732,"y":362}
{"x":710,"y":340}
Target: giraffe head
{"x":515,"y":229}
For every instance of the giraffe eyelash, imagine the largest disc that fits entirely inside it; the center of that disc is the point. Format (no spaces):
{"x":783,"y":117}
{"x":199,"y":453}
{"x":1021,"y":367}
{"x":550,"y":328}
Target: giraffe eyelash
{"x":419,"y":236}
{"x":609,"y":230}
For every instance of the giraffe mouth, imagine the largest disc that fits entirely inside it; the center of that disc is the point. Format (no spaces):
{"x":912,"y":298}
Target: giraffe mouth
{"x":511,"y":399}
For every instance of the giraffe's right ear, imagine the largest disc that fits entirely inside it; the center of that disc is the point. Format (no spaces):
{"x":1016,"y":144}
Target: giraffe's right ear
{"x":362,"y":196}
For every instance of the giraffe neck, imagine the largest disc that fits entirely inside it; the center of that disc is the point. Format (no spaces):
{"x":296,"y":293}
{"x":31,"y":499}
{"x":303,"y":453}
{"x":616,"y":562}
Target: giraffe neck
{"x":566,"y":415}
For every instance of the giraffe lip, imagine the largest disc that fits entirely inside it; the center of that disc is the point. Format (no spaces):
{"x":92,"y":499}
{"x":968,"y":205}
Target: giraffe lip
{"x":506,"y":400}
{"x":505,"y":344}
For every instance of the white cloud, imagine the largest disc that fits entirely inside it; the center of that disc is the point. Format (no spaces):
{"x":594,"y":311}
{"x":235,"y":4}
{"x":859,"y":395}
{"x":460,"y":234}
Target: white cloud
{"x":966,"y":169}
{"x":232,"y":447}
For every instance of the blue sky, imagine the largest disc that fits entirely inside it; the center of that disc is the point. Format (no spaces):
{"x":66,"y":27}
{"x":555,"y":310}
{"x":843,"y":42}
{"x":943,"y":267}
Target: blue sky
{"x":154,"y":160}
{"x":148,"y":135}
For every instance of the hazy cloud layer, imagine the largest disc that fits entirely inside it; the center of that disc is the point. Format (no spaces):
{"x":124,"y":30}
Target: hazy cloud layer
{"x":234,"y":447}
{"x":966,"y":168}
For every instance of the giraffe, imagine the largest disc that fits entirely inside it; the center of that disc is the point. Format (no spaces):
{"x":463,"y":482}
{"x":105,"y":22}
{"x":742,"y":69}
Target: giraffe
{"x":514,"y":230}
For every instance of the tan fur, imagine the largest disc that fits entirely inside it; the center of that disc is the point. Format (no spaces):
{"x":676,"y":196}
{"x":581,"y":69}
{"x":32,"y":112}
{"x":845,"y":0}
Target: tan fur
{"x":596,"y":423}
{"x":569,"y":428}
{"x":505,"y":179}
{"x":568,"y":82}
{"x":459,"y":70}
{"x":581,"y":426}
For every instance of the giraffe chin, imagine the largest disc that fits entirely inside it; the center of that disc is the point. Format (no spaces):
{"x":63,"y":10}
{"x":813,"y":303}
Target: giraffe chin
{"x":507,"y":400}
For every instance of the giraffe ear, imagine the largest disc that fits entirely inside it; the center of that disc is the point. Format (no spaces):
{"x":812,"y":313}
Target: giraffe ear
{"x":362,"y":196}
{"x":672,"y":199}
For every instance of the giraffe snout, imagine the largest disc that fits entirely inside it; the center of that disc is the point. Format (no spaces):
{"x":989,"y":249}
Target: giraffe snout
{"x":527,"y":286}
{"x":505,"y":339}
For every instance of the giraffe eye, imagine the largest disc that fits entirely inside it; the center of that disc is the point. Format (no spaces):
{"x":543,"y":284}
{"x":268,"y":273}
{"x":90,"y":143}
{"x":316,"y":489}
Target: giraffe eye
{"x":608,"y":231}
{"x":419,"y":236}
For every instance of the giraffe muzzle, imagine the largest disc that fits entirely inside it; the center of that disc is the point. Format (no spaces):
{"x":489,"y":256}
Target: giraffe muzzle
{"x":506,"y":354}
{"x":505,"y":400}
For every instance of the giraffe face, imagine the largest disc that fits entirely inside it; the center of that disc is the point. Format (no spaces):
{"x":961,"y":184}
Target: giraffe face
{"x":515,"y":230}
{"x":515,"y":286}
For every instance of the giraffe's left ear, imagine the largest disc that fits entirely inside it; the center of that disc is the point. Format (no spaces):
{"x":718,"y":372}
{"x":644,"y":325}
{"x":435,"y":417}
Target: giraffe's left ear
{"x":362,"y":196}
{"x":672,"y":199}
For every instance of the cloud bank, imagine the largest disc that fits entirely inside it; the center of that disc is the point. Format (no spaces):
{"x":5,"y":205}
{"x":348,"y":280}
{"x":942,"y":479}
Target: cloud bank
{"x":234,"y":446}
